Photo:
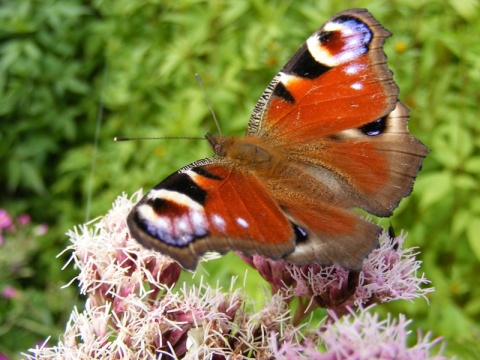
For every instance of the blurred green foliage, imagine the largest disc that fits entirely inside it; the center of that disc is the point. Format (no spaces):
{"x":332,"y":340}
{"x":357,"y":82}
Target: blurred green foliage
{"x":63,"y":61}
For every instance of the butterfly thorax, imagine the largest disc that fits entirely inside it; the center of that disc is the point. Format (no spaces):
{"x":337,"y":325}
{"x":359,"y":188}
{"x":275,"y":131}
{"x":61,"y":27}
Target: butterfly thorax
{"x":249,"y":152}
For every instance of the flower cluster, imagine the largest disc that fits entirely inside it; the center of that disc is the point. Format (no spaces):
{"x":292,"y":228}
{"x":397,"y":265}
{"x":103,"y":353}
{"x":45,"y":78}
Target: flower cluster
{"x":137,"y":308}
{"x":18,"y":241}
{"x":360,"y":335}
{"x":18,"y":245}
{"x":388,"y":273}
{"x":14,"y":227}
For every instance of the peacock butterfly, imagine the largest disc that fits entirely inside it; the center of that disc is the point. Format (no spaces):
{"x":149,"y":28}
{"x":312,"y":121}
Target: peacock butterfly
{"x":327,"y":136}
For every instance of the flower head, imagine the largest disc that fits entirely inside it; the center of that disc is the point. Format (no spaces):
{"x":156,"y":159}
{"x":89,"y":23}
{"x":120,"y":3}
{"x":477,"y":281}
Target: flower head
{"x":24,"y":219}
{"x":41,"y":229}
{"x":388,"y":273}
{"x":114,"y":265}
{"x":361,"y":335}
{"x":9,"y":292}
{"x":5,"y":219}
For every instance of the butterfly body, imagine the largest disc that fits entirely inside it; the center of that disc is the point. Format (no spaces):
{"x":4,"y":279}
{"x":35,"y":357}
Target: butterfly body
{"x":327,"y":136}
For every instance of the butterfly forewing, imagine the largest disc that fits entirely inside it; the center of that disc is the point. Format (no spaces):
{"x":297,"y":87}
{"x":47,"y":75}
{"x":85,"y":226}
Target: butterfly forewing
{"x":337,"y":80}
{"x":210,"y":206}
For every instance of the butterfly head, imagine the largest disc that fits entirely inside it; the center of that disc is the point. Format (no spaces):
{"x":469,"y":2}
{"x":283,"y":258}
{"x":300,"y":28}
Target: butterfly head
{"x":217,"y":142}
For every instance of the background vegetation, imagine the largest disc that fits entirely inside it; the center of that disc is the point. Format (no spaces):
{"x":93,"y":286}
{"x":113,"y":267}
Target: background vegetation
{"x":63,"y":64}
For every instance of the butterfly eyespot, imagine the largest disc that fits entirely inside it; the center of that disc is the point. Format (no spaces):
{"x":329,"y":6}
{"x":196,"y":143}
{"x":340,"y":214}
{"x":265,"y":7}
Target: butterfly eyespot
{"x":340,"y":41}
{"x":375,"y":128}
{"x":353,"y":27}
{"x":325,"y":36}
{"x":158,"y":205}
{"x":301,"y":234}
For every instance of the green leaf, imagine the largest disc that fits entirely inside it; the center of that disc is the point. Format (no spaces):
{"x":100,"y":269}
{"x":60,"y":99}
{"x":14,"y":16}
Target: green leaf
{"x":434,"y":187}
{"x":473,"y":165}
{"x":473,"y":236}
{"x":469,"y":9}
{"x":466,"y":182}
{"x":460,"y":221}
{"x":474,"y":204}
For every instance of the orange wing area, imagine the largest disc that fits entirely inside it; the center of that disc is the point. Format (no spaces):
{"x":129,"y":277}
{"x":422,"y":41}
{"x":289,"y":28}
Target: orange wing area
{"x":211,"y":207}
{"x":337,"y":80}
{"x":249,"y":212}
{"x":360,"y":162}
{"x":330,"y":103}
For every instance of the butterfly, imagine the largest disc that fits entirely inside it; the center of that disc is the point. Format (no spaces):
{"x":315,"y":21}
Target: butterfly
{"x":326,"y":137}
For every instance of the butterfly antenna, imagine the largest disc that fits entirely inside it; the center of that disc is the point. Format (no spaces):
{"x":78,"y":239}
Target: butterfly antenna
{"x":199,"y":79}
{"x":123,"y":138}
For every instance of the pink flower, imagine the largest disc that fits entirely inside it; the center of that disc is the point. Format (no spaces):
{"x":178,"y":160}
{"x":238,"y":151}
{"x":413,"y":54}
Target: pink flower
{"x":9,"y":292}
{"x":361,"y":336}
{"x":388,"y":273}
{"x":391,"y":273}
{"x":23,"y":219}
{"x":273,"y":271}
{"x":41,"y":229}
{"x":5,"y":219}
